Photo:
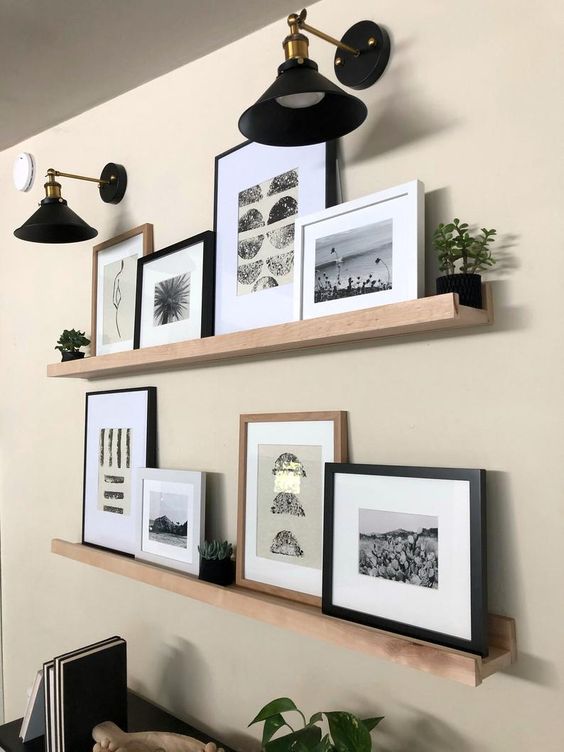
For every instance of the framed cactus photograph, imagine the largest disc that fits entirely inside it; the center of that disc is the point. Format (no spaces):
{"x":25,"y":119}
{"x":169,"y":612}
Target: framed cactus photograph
{"x":404,"y":551}
{"x":172,"y":517}
{"x":280,"y":518}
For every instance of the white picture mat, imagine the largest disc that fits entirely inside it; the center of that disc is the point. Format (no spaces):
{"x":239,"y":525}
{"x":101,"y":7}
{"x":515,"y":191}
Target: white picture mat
{"x":127,"y":410}
{"x":280,"y":573}
{"x":446,"y":609}
{"x":189,"y":259}
{"x":130,"y":247}
{"x":171,"y":481}
{"x":242,"y":169}
{"x":404,"y":204}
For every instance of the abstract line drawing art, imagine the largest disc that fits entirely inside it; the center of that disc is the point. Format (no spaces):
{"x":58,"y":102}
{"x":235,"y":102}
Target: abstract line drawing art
{"x":287,"y":544}
{"x":116,"y":295}
{"x":400,"y":547}
{"x":119,"y":300}
{"x":172,"y":300}
{"x":266,"y":233}
{"x":354,"y":262}
{"x":114,"y":471}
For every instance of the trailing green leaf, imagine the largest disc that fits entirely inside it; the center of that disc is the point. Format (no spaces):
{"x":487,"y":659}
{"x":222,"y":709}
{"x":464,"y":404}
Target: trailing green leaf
{"x":274,"y":707}
{"x":348,"y":733}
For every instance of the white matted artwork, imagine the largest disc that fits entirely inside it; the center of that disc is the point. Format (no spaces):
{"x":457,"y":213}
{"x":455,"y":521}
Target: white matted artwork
{"x":364,"y":253}
{"x":114,"y":288}
{"x":259,"y":192}
{"x":280,"y":518}
{"x":172,"y":518}
{"x":175,"y":292}
{"x":120,"y":435}
{"x":404,"y":550}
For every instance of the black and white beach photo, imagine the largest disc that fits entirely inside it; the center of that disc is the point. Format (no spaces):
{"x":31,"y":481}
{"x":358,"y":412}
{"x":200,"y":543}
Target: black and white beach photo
{"x":354,"y":262}
{"x":168,"y":519}
{"x":399,"y":547}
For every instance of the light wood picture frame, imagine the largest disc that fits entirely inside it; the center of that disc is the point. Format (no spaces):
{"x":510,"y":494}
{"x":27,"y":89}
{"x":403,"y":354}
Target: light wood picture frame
{"x":280,"y":500}
{"x":114,"y":283}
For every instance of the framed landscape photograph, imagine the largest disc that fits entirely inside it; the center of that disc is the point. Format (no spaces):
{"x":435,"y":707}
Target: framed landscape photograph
{"x":172,"y":517}
{"x":361,"y":254}
{"x":175,"y":292}
{"x":280,"y":513}
{"x":259,"y":193}
{"x":120,"y":435}
{"x":405,"y":551}
{"x":114,"y":287}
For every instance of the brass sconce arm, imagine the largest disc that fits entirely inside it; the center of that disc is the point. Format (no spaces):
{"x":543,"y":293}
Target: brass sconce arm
{"x":301,"y":24}
{"x":52,"y":174}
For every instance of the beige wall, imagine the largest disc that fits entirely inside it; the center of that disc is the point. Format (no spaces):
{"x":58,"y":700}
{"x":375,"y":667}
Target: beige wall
{"x":470,"y":105}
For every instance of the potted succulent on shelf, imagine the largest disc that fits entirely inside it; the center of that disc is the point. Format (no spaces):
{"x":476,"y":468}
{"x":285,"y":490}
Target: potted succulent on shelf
{"x":216,"y":564}
{"x":70,"y":342}
{"x":346,"y":732}
{"x":462,"y":256}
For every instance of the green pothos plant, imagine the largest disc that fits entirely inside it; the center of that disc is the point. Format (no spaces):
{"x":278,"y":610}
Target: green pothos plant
{"x":334,"y":731}
{"x":461,"y":252}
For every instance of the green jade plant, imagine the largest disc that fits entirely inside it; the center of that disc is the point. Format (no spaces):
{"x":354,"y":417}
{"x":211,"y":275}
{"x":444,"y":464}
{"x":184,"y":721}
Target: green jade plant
{"x":459,"y":252}
{"x":71,"y":340}
{"x":346,"y":732}
{"x":216,"y":550}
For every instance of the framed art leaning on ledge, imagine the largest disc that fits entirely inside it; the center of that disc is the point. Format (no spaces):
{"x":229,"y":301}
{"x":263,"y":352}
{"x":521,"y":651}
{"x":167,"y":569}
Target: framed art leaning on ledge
{"x":280,"y":514}
{"x":405,"y":551}
{"x":120,"y":435}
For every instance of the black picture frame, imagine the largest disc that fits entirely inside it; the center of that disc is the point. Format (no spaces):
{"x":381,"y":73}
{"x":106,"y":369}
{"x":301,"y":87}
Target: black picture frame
{"x":207,"y":238}
{"x":150,"y":454}
{"x":478,"y":642}
{"x":232,"y":319}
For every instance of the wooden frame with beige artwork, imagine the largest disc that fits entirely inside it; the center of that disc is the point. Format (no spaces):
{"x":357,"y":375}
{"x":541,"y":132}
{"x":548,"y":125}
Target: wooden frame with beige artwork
{"x":280,"y":512}
{"x":114,"y":282}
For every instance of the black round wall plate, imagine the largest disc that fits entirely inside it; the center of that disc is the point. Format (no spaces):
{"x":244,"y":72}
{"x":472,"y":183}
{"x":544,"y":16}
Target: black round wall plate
{"x":115,"y":191}
{"x":364,"y":70}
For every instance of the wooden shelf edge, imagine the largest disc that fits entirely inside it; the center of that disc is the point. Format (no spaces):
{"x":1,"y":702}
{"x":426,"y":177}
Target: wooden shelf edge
{"x":452,"y":664}
{"x":435,"y":313}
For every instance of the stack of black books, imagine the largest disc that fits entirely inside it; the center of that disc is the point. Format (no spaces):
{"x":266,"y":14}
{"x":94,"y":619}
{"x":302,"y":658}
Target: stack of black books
{"x":78,"y":690}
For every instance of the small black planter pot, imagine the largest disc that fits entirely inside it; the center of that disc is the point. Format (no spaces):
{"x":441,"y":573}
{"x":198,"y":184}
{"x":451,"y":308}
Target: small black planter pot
{"x":218,"y":571}
{"x":71,"y":356}
{"x":468,"y":287}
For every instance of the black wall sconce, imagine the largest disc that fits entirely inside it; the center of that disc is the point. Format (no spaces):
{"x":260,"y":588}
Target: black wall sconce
{"x":303,"y":107}
{"x":55,"y":222}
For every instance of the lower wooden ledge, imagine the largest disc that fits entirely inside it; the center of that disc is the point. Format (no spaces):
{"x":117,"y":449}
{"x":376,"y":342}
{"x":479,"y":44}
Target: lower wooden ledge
{"x":308,"y":620}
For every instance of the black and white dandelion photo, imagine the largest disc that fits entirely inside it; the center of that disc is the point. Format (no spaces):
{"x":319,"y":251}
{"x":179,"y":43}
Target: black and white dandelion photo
{"x":354,"y":262}
{"x":168,"y":519}
{"x":265,"y":240}
{"x":172,"y":300}
{"x":399,"y":547}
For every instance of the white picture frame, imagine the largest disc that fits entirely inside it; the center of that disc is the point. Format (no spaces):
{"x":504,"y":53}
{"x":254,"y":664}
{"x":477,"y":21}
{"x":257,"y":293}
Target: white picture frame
{"x":336,"y":249}
{"x":240,"y":266}
{"x":179,"y":497}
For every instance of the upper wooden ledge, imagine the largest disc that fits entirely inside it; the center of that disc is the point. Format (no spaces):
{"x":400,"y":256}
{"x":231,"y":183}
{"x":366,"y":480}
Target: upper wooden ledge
{"x":466,"y":668}
{"x":439,"y":312}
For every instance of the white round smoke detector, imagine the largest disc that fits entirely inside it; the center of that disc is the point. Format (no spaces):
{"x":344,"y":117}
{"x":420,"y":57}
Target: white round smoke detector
{"x":24,"y":171}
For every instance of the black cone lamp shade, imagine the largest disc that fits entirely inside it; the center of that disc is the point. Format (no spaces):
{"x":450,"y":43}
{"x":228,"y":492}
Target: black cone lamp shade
{"x":302,"y":107}
{"x":54,"y":222}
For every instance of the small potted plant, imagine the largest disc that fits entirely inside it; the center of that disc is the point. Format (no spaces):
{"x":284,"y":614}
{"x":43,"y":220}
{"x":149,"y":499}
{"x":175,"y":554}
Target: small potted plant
{"x":462,"y":256}
{"x":346,"y":732}
{"x":216,"y":564}
{"x":70,"y":342}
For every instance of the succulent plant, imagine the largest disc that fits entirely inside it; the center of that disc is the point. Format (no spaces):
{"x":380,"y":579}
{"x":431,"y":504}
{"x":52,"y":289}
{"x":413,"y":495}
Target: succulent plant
{"x":215,"y":550}
{"x":71,"y":340}
{"x":459,"y":251}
